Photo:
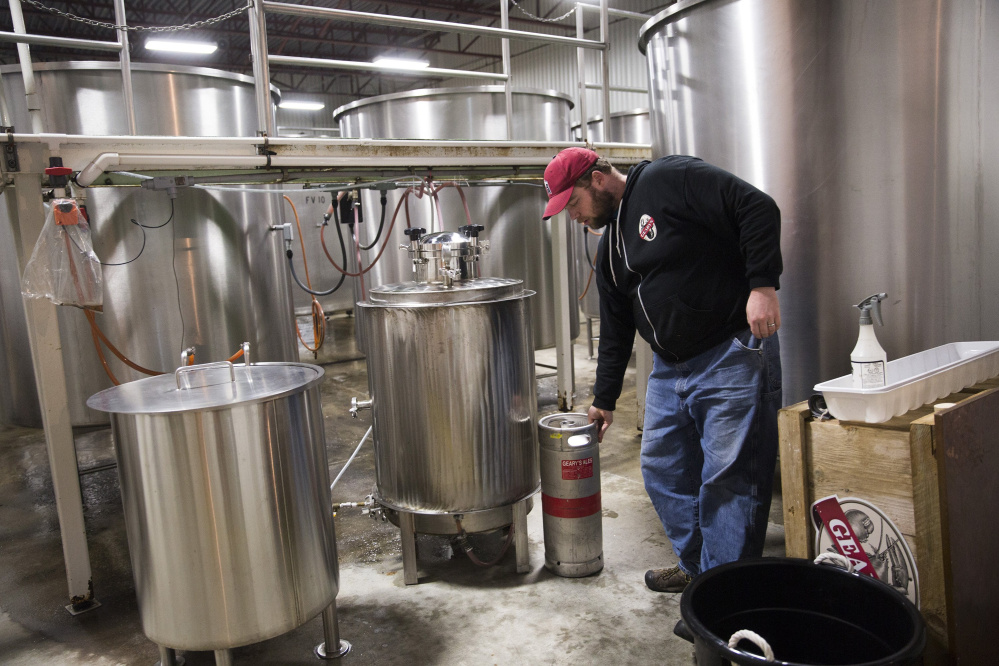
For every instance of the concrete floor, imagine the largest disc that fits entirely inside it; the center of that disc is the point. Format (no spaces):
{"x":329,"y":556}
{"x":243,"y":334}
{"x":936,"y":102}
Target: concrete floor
{"x":457,"y":614}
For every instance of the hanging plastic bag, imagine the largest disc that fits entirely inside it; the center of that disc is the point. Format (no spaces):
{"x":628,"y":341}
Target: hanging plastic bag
{"x":63,"y":267}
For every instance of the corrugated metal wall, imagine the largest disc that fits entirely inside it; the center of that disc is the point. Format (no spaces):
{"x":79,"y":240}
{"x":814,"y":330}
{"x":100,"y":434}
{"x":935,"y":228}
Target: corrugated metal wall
{"x":553,"y":67}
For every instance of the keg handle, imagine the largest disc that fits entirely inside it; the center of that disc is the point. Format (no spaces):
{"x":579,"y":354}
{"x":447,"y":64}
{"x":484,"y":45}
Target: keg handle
{"x":183,"y":374}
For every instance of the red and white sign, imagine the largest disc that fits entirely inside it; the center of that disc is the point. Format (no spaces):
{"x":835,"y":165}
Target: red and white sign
{"x":573,"y":470}
{"x":647,"y":228}
{"x":863,"y":533}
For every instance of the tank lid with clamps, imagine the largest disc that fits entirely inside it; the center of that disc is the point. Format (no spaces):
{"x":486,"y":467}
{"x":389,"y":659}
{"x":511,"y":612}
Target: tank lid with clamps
{"x":446,"y":239}
{"x":468,"y":291}
{"x":207,"y":386}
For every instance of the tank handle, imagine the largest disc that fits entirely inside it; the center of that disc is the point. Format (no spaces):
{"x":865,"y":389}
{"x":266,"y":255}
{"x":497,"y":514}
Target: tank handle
{"x":183,"y":375}
{"x":752,"y":637}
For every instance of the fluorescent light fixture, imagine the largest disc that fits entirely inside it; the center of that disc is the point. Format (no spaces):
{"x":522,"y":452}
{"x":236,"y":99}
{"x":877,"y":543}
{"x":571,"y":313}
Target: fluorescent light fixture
{"x":181,"y":46}
{"x":301,"y":105}
{"x":400,"y":63}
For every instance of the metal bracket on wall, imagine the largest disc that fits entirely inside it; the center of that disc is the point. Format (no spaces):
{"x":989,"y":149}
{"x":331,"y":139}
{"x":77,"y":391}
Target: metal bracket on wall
{"x":11,"y":163}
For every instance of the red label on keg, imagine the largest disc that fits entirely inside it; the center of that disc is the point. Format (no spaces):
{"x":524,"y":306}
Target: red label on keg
{"x":573,"y":470}
{"x":577,"y":507}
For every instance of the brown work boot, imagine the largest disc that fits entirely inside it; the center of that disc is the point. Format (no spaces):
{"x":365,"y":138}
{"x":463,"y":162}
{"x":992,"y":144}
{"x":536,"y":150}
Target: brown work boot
{"x":667,"y":580}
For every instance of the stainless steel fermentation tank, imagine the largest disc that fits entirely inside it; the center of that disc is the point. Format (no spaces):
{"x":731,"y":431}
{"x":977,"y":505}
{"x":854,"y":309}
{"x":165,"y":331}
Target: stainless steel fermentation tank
{"x":453,"y":396}
{"x":520,"y":242}
{"x":213,"y":277}
{"x":626,"y":127}
{"x":225,"y":486}
{"x":866,"y":121}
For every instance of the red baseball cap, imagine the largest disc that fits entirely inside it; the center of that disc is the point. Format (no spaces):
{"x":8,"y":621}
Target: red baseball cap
{"x":561,"y":175}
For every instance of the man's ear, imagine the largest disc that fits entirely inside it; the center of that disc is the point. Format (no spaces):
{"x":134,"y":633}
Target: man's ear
{"x":598,"y":179}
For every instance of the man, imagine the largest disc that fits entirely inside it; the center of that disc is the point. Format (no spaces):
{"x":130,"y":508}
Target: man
{"x":690,"y":257}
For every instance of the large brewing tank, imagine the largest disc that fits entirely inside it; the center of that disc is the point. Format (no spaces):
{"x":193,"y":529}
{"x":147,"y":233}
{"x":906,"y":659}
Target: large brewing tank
{"x":453,"y":394}
{"x":225,"y":486}
{"x":626,"y":127}
{"x":211,"y":278}
{"x":865,"y":120}
{"x":520,"y":242}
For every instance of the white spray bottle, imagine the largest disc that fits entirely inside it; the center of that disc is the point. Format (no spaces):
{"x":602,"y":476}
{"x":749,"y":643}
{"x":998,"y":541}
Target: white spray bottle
{"x":868,"y":359}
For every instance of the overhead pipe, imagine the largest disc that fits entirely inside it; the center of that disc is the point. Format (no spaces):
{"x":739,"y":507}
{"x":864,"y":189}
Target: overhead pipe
{"x":424,"y":24}
{"x":505,"y":49}
{"x":261,"y":73}
{"x":109,"y":161}
{"x":126,"y":65}
{"x":581,"y":75}
{"x":323,"y":63}
{"x":27,"y":71}
{"x":605,"y":71}
{"x":67,"y":42}
{"x":620,"y":13}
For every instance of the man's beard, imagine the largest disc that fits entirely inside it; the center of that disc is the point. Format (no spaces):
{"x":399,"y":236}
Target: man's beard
{"x":604,"y":208}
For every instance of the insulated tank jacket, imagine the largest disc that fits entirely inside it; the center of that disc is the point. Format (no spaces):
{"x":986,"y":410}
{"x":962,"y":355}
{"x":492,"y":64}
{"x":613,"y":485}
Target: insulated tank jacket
{"x":689,"y":243}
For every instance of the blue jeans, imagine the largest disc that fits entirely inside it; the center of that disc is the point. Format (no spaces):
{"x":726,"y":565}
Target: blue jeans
{"x":709,"y":447}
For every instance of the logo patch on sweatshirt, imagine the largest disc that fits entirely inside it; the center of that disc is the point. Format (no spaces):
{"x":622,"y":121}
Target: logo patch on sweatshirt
{"x":647,"y":228}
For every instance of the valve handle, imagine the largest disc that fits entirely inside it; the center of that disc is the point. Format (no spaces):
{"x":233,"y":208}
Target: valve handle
{"x":470,"y":230}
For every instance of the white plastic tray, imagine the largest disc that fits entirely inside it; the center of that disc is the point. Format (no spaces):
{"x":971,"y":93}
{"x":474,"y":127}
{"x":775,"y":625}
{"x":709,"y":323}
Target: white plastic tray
{"x":912,"y":381}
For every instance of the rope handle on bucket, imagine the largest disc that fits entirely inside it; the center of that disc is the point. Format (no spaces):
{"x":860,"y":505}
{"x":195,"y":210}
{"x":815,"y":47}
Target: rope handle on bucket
{"x":752,"y":637}
{"x":836,"y":559}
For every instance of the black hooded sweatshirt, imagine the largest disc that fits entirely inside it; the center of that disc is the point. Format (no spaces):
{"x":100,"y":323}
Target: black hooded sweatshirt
{"x":689,"y":243}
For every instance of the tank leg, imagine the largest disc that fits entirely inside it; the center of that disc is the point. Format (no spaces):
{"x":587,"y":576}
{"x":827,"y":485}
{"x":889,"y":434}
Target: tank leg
{"x":331,"y":634}
{"x":223,"y":657}
{"x":407,"y":526}
{"x":520,"y":537}
{"x":168,"y":657}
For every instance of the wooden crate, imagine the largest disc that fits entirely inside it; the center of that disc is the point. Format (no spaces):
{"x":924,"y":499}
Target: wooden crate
{"x":903,"y":467}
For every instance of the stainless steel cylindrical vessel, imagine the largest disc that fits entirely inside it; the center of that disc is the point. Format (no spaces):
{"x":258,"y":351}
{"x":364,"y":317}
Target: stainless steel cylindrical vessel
{"x":211,"y":278}
{"x":570,"y":495}
{"x":451,"y":376}
{"x":225,"y":485}
{"x":626,"y":127}
{"x":511,"y":214}
{"x":864,"y":120}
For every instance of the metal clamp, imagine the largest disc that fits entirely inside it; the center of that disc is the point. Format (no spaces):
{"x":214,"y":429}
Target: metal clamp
{"x":11,"y":163}
{"x":356,"y":405}
{"x":185,"y":373}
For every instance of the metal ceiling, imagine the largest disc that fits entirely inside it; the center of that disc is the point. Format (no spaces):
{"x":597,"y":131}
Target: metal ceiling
{"x":298,"y":36}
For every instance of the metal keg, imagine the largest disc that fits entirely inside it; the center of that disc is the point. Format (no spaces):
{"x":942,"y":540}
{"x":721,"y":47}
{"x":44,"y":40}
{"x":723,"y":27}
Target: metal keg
{"x":225,"y":486}
{"x":570,"y":495}
{"x":453,"y":395}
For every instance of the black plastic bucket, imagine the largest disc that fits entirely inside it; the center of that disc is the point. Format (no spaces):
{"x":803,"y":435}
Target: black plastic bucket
{"x":810,"y":615}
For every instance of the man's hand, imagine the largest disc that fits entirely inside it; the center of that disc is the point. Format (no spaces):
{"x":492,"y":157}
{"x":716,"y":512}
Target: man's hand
{"x":603,"y":418}
{"x":763,"y":312}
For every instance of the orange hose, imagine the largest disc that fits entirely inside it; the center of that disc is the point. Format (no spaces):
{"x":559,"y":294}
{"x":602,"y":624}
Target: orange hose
{"x":236,"y":356}
{"x":588,"y":280}
{"x":104,"y":361}
{"x":318,"y":316}
{"x":96,"y":330}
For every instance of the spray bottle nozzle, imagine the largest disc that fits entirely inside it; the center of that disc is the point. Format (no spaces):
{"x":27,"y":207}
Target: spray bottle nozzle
{"x":871,"y":306}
